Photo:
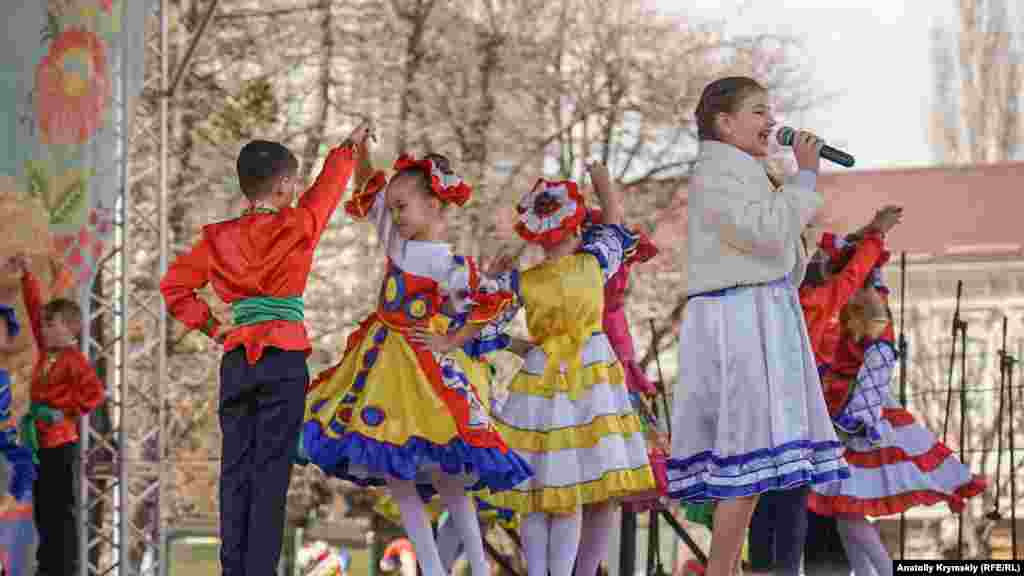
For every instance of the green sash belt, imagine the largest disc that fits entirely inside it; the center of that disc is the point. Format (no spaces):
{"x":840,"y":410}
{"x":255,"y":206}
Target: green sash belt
{"x":266,"y":309}
{"x":29,"y":432}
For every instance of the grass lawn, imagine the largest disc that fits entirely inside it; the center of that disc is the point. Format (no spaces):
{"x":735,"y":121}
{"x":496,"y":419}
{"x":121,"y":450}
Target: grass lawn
{"x":194,"y":560}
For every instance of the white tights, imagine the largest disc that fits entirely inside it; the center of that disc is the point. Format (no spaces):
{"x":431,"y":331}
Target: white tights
{"x":464,"y":519}
{"x":597,"y":530}
{"x":551,"y":542}
{"x":864,"y":547}
{"x":449,"y":544}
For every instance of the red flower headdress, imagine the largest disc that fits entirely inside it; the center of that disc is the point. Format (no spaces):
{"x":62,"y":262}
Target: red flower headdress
{"x":447,"y":187}
{"x":551,"y":212}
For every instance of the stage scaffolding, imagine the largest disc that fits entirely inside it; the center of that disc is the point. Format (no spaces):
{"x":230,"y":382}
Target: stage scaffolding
{"x":124,"y":465}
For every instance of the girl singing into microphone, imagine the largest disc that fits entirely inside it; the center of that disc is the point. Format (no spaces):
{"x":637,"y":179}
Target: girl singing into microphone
{"x":749,"y":416}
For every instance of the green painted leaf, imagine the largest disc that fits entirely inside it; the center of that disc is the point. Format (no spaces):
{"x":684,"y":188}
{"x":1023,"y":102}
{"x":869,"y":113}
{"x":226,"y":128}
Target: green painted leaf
{"x":71,"y":202}
{"x":38,"y":183}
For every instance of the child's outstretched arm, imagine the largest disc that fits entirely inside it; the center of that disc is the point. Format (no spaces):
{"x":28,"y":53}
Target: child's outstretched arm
{"x":609,"y":196}
{"x":322,"y":199}
{"x":31,"y":293}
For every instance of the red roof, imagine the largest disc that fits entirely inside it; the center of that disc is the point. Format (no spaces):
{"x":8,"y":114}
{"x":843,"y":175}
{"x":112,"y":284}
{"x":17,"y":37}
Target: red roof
{"x":947,"y":210}
{"x":955,"y":211}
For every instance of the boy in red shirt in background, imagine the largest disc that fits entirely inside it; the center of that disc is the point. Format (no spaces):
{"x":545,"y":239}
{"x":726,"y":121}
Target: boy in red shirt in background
{"x":64,"y":387}
{"x":259,"y":264}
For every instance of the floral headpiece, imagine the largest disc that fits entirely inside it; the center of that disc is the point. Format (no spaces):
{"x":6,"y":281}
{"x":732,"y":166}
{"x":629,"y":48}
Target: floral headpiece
{"x":551,"y":212}
{"x":445,"y":186}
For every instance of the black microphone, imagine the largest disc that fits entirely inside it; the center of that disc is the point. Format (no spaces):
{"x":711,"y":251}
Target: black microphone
{"x":786,"y":135}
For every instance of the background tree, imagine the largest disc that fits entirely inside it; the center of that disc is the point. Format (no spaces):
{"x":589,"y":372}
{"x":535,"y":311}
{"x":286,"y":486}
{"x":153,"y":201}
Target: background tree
{"x":975,"y":119}
{"x":978,"y":70}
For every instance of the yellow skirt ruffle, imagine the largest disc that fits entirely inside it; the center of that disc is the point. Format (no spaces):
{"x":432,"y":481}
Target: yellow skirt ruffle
{"x":579,"y":457}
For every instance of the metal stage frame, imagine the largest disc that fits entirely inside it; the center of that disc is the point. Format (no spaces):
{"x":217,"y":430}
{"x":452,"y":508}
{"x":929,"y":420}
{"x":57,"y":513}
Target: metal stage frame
{"x":123,"y":458}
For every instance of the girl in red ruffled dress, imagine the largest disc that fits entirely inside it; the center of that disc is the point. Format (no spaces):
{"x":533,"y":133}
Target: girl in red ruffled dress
{"x":895,"y":462}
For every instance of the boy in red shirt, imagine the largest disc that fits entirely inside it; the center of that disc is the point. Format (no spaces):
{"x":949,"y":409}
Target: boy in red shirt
{"x":64,"y":387}
{"x":259,"y":264}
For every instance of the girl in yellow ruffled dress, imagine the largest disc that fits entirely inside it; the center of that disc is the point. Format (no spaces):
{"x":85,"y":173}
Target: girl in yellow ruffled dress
{"x":568,"y":412}
{"x":474,"y":359}
{"x":399,"y":410}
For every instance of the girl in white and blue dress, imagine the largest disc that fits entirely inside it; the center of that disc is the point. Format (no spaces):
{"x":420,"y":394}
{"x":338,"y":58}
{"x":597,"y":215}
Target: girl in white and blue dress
{"x":748,"y":414}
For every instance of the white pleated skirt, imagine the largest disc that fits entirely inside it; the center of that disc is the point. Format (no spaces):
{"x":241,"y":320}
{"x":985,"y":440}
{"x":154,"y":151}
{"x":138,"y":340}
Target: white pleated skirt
{"x":748,"y":412}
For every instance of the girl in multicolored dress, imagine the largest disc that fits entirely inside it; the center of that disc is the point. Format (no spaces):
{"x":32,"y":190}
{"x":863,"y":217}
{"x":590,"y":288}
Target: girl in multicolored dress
{"x":895,"y":462}
{"x":398,"y":410}
{"x":568,"y":411}
{"x":473,"y":359}
{"x":748,"y":414}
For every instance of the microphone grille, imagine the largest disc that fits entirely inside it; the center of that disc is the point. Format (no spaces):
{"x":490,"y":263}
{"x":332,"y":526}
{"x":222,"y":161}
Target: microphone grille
{"x":785,"y":136}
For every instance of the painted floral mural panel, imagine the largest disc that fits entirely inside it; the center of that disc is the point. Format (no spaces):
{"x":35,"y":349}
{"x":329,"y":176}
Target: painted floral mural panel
{"x":70,"y":71}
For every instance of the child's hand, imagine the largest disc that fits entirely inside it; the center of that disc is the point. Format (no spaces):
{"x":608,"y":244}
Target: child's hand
{"x":807,"y":149}
{"x":886,"y":219}
{"x":359,"y":139}
{"x":223,"y":331}
{"x":361,"y":136}
{"x":437,"y":343}
{"x":17,"y":264}
{"x":52,"y":415}
{"x":599,"y":177}
{"x":503,"y":262}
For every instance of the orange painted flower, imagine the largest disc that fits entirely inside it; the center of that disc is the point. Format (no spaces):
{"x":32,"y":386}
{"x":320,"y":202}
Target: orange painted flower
{"x":72,"y":88}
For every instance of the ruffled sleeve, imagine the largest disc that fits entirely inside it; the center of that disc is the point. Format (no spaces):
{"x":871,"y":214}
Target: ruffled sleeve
{"x":361,"y":205}
{"x":611,"y":244}
{"x":643,"y":250}
{"x":482,"y":301}
{"x":494,"y":335}
{"x":367,"y":203}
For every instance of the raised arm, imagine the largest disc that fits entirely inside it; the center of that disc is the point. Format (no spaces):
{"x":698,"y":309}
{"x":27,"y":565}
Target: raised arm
{"x":322,"y":199}
{"x":608,"y":195}
{"x":845,"y":284}
{"x":32,"y":295}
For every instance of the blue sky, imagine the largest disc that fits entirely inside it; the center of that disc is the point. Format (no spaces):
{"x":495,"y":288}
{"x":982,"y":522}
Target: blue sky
{"x":873,"y":54}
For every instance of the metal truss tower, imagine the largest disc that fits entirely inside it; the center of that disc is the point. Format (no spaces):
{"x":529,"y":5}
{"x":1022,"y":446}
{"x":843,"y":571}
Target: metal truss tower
{"x":124,"y":332}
